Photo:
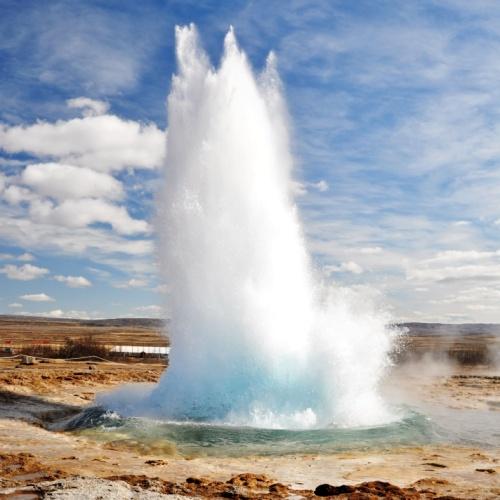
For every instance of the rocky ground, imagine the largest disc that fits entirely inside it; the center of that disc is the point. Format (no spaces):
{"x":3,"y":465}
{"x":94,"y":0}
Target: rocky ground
{"x":37,"y":462}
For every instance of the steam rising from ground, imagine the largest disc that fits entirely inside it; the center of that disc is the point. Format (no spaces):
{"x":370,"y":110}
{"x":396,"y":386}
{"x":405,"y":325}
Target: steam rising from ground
{"x":257,"y":338}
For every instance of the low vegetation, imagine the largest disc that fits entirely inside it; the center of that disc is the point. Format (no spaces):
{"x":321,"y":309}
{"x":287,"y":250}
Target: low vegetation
{"x":72,"y":348}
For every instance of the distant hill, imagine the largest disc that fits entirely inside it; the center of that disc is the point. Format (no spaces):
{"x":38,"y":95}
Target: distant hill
{"x":414,"y":328}
{"x":127,"y":322}
{"x":116,"y":331}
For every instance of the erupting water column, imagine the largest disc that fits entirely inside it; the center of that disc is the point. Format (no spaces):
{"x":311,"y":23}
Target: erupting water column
{"x":257,"y":340}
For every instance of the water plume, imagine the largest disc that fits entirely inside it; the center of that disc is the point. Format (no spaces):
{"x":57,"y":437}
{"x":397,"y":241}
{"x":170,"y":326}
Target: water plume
{"x":257,"y":338}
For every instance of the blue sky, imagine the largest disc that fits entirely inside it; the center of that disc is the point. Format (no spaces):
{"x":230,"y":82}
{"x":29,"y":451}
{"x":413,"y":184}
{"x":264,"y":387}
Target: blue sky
{"x":395,"y":112}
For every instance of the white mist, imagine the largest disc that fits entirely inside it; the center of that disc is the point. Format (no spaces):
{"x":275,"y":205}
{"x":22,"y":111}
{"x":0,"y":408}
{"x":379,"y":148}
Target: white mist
{"x":257,"y":339}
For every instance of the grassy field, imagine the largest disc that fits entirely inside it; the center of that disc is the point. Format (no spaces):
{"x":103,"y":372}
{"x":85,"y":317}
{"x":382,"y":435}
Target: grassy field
{"x":21,"y":330}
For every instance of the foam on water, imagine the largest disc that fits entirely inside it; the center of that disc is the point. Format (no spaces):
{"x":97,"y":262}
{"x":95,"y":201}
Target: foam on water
{"x":258,"y":339}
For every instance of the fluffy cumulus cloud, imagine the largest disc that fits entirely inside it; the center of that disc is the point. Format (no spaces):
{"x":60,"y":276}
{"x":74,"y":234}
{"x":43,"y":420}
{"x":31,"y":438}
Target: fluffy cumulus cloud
{"x":37,"y":297}
{"x":15,"y":195}
{"x":86,"y":211}
{"x":73,"y":199}
{"x":25,"y":272}
{"x":73,"y":281}
{"x":104,"y":143}
{"x":63,"y":182}
{"x":94,"y":242}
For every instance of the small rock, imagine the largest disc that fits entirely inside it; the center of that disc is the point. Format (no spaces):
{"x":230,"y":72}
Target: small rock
{"x":326,"y":490}
{"x":279,"y":488}
{"x":155,"y":462}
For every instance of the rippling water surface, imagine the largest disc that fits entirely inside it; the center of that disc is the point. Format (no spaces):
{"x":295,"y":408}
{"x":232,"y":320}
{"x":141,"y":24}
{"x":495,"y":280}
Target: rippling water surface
{"x":202,"y":439}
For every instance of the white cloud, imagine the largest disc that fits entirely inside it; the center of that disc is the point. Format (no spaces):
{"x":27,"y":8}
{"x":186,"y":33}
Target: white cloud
{"x":56,"y":313}
{"x":301,"y":188}
{"x":86,"y":211}
{"x":81,"y":46}
{"x":321,"y":186}
{"x":64,"y":182}
{"x":132,"y":283}
{"x":73,"y":198}
{"x":72,"y":313}
{"x":451,"y":256}
{"x":467,"y":272}
{"x":73,"y":281}
{"x":37,"y":297}
{"x":153,"y":310}
{"x":90,"y":107}
{"x":457,"y":265}
{"x":370,"y":250}
{"x":6,"y":256}
{"x":476,"y":294}
{"x":15,"y":305}
{"x":76,"y":241}
{"x":298,"y":188}
{"x":23,"y":273}
{"x":26,"y":257}
{"x":481,"y":307}
{"x":59,"y":313}
{"x":14,"y":195}
{"x":102,"y":143}
{"x":345,"y":267}
{"x":100,"y":273}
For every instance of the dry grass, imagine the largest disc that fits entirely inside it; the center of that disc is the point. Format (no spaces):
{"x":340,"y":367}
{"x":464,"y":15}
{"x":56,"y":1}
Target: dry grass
{"x":19,"y":330}
{"x":72,"y":348}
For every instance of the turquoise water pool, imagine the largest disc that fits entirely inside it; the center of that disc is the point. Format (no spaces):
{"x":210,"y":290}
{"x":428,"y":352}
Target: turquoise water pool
{"x":203,"y":439}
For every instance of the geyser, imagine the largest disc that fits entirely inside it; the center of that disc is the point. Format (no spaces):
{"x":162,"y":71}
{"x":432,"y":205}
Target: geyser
{"x":257,"y":338}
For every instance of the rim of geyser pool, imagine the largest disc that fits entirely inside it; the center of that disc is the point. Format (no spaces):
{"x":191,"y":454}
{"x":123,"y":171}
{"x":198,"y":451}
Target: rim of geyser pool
{"x":190,"y":438}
